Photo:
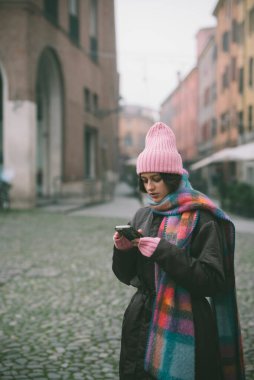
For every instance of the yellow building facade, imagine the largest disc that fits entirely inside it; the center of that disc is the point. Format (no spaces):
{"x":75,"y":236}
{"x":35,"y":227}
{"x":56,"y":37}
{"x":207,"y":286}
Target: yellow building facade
{"x":235,"y":71}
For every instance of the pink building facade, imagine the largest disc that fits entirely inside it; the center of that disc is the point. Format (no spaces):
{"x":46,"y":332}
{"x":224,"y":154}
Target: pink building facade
{"x":207,"y":93}
{"x":180,"y":112}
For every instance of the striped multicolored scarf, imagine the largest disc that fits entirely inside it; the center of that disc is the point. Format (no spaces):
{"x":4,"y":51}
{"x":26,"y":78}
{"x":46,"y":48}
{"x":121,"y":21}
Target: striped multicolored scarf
{"x":170,"y":350}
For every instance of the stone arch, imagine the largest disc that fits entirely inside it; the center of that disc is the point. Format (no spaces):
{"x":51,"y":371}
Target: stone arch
{"x":1,"y":122}
{"x":49,"y":136}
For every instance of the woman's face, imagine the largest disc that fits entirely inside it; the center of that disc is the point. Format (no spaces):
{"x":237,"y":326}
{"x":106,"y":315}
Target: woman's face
{"x":154,"y":186}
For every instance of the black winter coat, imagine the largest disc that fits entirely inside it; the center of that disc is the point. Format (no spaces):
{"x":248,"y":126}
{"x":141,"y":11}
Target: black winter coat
{"x":200,"y":272}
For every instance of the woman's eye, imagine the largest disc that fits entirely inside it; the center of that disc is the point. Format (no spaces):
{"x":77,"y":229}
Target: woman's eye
{"x":157,"y":179}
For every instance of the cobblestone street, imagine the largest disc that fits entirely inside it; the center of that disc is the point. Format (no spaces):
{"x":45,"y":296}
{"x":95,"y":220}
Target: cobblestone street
{"x":61,"y":306}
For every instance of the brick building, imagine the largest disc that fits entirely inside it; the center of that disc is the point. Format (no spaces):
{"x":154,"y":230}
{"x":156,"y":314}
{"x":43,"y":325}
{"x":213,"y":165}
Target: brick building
{"x":181,"y":108}
{"x":234,"y":104}
{"x":180,"y":111}
{"x":207,"y":93}
{"x":221,"y":92}
{"x":134,"y":123}
{"x":58,"y":97}
{"x":206,"y":63}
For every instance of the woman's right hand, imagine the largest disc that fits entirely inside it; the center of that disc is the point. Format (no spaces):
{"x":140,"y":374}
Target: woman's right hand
{"x":121,"y":242}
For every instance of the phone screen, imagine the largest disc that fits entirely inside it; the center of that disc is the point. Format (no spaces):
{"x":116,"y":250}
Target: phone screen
{"x":128,"y":231}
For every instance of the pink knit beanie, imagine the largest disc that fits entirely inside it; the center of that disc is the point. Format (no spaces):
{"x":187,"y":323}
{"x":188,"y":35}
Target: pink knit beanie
{"x":160,"y":154}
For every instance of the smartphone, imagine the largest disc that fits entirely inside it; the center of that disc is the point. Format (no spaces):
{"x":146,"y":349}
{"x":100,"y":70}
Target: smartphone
{"x":128,"y":231}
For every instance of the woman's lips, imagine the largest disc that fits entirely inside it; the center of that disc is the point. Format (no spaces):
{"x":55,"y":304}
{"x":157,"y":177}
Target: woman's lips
{"x":154,"y":195}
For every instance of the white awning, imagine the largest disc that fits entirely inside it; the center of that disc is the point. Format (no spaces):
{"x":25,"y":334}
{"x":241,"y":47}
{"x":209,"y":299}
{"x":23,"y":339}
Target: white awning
{"x":131,"y":162}
{"x":243,"y":152}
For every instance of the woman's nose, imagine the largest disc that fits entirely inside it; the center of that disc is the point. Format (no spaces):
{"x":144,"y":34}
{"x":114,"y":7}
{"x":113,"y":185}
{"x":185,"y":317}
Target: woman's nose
{"x":150,"y":184}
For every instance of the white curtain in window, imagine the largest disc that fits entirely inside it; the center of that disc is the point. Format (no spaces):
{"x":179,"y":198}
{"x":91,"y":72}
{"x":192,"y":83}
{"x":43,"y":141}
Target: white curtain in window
{"x":93,"y":18}
{"x":73,"y":7}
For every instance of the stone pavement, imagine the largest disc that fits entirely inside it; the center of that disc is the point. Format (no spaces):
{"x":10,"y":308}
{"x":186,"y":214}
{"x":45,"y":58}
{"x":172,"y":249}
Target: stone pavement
{"x":124,"y":206}
{"x":61,"y":307}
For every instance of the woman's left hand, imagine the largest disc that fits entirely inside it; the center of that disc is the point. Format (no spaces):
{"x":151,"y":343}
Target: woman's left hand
{"x":135,"y":242}
{"x":147,"y":245}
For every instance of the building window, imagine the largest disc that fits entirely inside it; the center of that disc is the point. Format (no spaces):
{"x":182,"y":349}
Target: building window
{"x":213,"y":127}
{"x":73,"y":20}
{"x":225,"y":42}
{"x":251,"y":20}
{"x":141,"y":141}
{"x":237,"y":32}
{"x":240,"y":33}
{"x":51,"y":10}
{"x":250,"y":118}
{"x":224,"y":121}
{"x":90,"y":152}
{"x":250,"y":175}
{"x":251,"y":71}
{"x":205,"y":131}
{"x":1,"y":123}
{"x":225,"y":78}
{"x":95,"y":103}
{"x":214,"y":91}
{"x":233,"y":68}
{"x":214,"y":53}
{"x":241,"y":80}
{"x":206,"y":96}
{"x":93,"y":30}
{"x":39,"y":104}
{"x":128,"y":140}
{"x":87,"y":100}
{"x":234,"y":31}
{"x":234,"y":116}
{"x":240,"y":122}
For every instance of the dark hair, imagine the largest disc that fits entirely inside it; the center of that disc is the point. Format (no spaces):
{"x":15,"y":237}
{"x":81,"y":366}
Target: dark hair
{"x":171,"y":180}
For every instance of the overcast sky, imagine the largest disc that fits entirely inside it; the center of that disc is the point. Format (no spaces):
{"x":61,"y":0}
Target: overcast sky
{"x":155,"y":39}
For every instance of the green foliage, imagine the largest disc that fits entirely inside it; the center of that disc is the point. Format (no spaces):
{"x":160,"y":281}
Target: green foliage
{"x":238,"y":197}
{"x":198,"y":182}
{"x":131,"y":178}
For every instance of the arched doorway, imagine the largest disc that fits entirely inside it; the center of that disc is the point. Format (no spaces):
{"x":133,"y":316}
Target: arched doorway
{"x":1,"y":124}
{"x":49,"y":100}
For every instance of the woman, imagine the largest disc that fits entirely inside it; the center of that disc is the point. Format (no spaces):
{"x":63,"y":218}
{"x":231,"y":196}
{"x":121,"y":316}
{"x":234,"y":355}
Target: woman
{"x":182,"y":321}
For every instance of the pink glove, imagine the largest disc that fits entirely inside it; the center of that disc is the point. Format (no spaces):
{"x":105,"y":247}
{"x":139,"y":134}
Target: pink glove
{"x":147,"y":245}
{"x":121,"y":242}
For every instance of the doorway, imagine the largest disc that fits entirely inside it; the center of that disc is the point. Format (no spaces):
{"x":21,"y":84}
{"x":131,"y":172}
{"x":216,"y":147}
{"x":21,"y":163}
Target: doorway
{"x":1,"y":124}
{"x":49,"y":100}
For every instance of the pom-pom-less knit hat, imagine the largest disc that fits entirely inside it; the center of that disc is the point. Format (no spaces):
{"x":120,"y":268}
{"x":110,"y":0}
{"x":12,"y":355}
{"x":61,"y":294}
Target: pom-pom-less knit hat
{"x":160,"y":154}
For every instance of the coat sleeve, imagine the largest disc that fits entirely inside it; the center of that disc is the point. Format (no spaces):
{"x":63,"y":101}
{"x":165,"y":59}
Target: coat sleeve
{"x":200,"y":271}
{"x":124,"y":264}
